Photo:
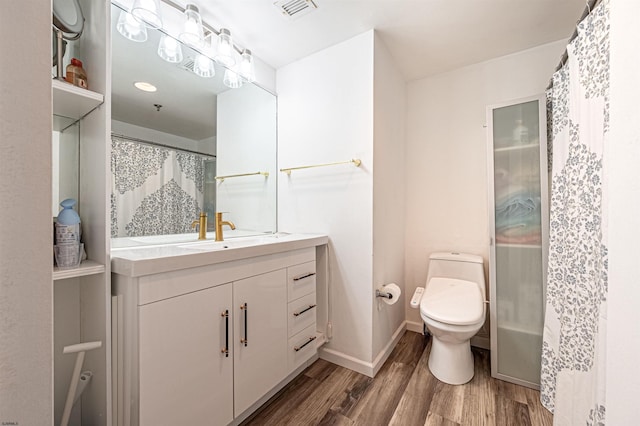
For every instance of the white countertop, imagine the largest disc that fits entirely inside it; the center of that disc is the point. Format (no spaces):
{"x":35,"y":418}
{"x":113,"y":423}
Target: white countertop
{"x":154,"y":259}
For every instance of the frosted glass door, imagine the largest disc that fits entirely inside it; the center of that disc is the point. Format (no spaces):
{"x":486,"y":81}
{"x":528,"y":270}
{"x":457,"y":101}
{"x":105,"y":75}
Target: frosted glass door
{"x":517,"y":269}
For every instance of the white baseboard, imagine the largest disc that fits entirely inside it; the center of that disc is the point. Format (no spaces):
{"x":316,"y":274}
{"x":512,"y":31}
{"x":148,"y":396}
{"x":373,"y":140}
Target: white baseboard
{"x":415,"y":326}
{"x":363,"y":367}
{"x":481,"y":342}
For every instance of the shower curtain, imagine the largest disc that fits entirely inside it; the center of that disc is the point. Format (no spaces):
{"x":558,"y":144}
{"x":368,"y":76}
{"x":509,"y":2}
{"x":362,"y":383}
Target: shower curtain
{"x":154,"y":190}
{"x":574,"y":337}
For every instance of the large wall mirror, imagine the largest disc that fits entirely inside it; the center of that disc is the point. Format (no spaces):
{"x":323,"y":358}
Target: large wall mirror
{"x":193,"y":144}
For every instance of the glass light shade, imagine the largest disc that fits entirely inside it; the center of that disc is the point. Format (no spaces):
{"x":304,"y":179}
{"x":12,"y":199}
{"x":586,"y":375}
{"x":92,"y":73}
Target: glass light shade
{"x":246,"y":67}
{"x":131,"y":28}
{"x":147,"y":11}
{"x":169,"y":49}
{"x":225,"y":52}
{"x":192,"y":32}
{"x":204,"y":67}
{"x":232,"y":79}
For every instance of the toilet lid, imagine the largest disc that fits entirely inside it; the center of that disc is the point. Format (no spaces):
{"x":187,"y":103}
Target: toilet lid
{"x":452,"y":301}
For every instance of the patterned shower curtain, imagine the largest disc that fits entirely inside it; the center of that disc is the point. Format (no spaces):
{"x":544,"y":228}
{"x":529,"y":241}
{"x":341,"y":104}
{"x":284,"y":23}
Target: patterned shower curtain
{"x":574,"y":338}
{"x":154,"y":190}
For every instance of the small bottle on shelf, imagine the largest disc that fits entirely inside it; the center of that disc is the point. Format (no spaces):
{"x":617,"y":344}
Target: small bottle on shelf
{"x":76,"y":75}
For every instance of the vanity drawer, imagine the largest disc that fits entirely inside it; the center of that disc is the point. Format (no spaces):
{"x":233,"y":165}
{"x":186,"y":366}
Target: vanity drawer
{"x":302,"y":347}
{"x":301,"y":280}
{"x":302,"y":313}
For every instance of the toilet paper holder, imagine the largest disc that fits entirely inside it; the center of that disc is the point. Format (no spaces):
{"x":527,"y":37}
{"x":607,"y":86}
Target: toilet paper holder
{"x":384,"y":294}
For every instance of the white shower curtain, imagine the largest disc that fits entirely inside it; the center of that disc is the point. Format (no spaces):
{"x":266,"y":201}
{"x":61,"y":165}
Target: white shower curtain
{"x":573,"y":352}
{"x":155,"y":190}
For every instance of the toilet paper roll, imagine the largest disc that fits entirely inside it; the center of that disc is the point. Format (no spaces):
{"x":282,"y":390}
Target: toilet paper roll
{"x":394,"y":291}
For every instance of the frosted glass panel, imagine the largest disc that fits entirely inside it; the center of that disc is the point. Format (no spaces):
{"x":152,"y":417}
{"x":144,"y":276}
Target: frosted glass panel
{"x":518,"y":241}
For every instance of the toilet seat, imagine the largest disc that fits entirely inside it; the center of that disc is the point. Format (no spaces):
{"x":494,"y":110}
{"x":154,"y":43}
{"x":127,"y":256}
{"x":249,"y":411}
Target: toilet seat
{"x":452,"y":301}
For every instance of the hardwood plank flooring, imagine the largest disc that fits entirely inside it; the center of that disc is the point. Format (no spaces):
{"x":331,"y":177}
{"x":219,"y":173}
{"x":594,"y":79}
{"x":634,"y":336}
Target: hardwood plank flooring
{"x":403,"y":393}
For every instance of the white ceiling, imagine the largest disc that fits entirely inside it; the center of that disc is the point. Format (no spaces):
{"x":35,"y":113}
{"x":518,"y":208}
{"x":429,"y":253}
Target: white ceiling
{"x":425,"y":37}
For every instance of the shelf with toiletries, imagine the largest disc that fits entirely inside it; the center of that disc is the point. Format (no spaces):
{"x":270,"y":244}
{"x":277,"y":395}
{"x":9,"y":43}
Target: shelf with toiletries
{"x":87,"y":267}
{"x":72,"y":101}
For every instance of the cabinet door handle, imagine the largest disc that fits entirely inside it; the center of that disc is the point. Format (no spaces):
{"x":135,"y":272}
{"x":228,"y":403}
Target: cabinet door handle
{"x":246,"y":336}
{"x":303,"y":276}
{"x":295,"y":314}
{"x":225,"y":350}
{"x":298,"y":348}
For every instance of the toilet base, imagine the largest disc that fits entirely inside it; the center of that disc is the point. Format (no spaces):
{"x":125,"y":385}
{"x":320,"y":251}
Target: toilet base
{"x":451,"y":363}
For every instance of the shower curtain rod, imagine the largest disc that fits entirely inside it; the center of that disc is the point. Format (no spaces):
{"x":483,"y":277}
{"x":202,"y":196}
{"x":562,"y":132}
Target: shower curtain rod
{"x":129,"y":138}
{"x":591,"y":4}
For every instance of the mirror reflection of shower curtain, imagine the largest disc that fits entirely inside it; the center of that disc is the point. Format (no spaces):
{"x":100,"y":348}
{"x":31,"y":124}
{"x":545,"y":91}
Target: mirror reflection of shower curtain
{"x":155,"y":190}
{"x":575,"y":327}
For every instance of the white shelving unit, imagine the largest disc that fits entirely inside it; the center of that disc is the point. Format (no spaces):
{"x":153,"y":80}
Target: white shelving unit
{"x":82,"y":296}
{"x":518,"y":218}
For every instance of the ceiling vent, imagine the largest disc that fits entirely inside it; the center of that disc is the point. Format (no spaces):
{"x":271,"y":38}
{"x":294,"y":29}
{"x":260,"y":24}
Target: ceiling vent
{"x":187,"y":64}
{"x":294,"y":9}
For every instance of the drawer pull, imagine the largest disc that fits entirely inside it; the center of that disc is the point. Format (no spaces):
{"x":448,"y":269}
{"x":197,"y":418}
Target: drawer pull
{"x":298,"y":348}
{"x":245,"y":340}
{"x":295,"y":314}
{"x":225,"y":350}
{"x":303,"y":276}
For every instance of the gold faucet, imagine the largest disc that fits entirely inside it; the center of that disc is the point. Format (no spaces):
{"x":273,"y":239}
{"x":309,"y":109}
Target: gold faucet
{"x":219,"y":223}
{"x":202,"y":222}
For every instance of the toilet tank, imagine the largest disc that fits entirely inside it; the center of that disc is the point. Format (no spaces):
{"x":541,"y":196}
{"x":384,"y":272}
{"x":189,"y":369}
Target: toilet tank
{"x":462,"y":266}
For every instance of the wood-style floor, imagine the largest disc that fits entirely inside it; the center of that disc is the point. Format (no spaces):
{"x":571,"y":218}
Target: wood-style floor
{"x":404,"y":392}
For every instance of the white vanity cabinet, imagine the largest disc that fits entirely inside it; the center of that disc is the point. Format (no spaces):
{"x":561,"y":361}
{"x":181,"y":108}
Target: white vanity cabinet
{"x":185,"y":377}
{"x":208,"y":344}
{"x":260,"y":336}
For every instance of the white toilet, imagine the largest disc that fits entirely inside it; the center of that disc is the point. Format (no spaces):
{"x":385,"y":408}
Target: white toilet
{"x":453,"y":309}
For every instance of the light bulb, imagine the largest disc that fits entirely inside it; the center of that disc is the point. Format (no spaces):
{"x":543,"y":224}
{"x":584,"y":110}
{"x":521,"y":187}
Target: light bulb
{"x":225,"y":49}
{"x":204,"y":67}
{"x":131,"y":28}
{"x":232,"y":79}
{"x":169,"y":49}
{"x":247,"y":69}
{"x":192,"y":31}
{"x":147,"y":11}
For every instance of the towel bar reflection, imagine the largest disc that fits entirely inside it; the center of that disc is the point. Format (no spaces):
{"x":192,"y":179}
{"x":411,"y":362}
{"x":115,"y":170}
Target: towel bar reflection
{"x":222,"y":178}
{"x":355,"y":161}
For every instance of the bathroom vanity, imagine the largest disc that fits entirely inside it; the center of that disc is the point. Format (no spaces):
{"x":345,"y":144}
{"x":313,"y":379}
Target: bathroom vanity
{"x":205,"y":332}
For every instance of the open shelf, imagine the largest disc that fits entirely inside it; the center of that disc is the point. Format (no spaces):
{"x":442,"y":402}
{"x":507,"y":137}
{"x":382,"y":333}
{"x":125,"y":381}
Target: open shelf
{"x":87,"y":267}
{"x":72,"y":101}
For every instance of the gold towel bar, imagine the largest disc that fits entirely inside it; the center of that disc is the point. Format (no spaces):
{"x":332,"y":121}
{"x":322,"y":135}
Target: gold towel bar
{"x":222,"y":178}
{"x":356,"y":162}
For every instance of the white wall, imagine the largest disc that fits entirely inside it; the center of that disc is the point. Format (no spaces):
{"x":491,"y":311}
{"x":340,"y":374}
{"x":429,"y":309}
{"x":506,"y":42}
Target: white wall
{"x":388,"y":192}
{"x":26,"y":298}
{"x":247,"y":144}
{"x":325,"y":114}
{"x":446,"y":154}
{"x":623,"y":152}
{"x":121,"y":128}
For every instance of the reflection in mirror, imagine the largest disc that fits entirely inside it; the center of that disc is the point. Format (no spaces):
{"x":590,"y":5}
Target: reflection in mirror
{"x":65,"y":150}
{"x":170,"y":144}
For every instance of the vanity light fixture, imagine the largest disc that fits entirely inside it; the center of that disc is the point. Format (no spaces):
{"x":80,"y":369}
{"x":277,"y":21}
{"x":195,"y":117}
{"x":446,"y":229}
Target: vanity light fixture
{"x":203,"y":66}
{"x":169,"y":49}
{"x":192,"y":33}
{"x":145,"y":87}
{"x":147,"y":11}
{"x":226,"y":50}
{"x":131,"y":28}
{"x":246,"y":68}
{"x":232,"y":79}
